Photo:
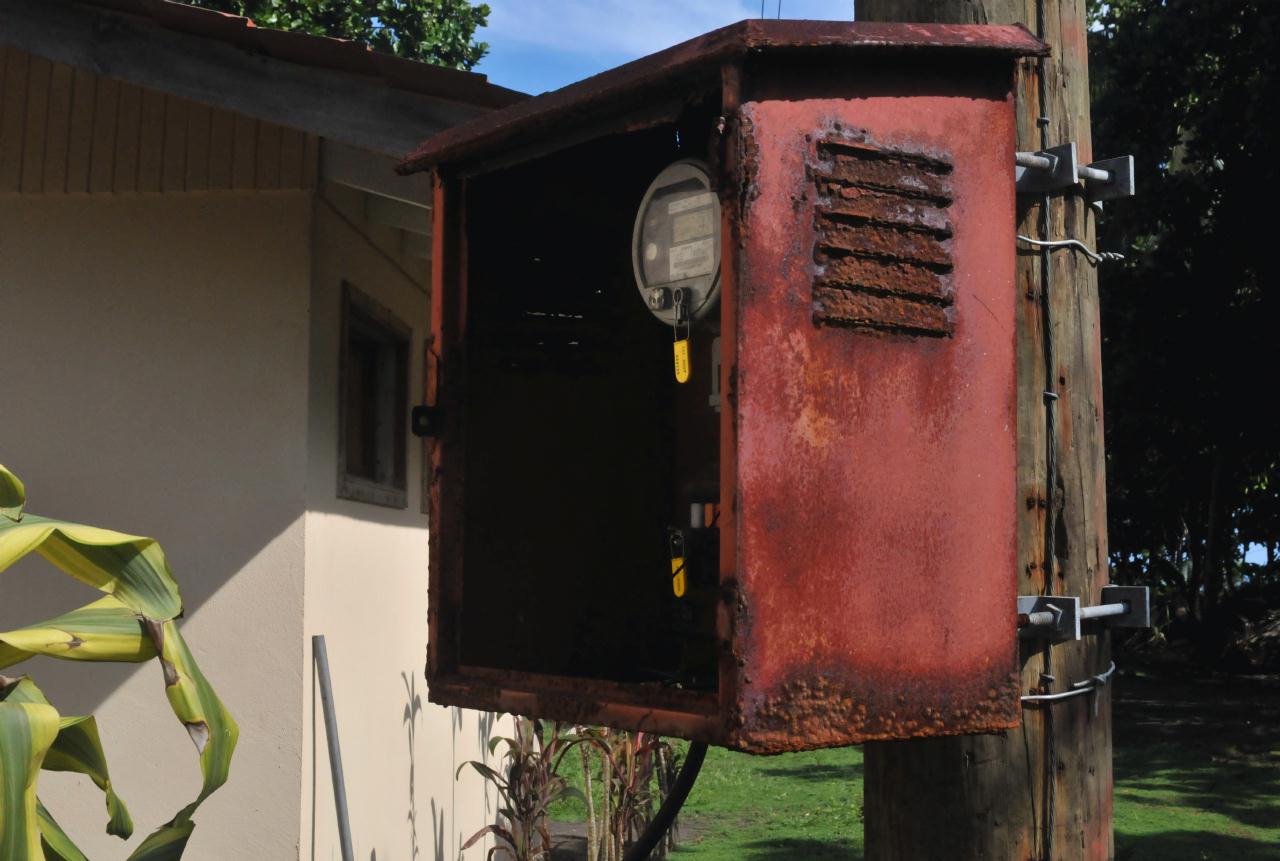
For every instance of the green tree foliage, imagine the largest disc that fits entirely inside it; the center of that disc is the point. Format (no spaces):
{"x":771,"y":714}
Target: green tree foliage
{"x":1191,"y":319}
{"x":436,"y":31}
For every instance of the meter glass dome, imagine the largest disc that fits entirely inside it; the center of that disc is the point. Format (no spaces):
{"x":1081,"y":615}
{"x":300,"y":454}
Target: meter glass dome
{"x":676,"y":242}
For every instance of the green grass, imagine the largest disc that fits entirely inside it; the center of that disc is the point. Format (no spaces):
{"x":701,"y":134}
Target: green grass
{"x":1197,"y":769}
{"x":800,"y":805}
{"x":1197,"y":777}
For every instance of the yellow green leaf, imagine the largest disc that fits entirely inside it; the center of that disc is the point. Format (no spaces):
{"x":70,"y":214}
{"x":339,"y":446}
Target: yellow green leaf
{"x":12,"y":495}
{"x":78,"y":749}
{"x":105,"y":630}
{"x":57,"y":845}
{"x":129,"y":567}
{"x":26,"y":732}
{"x":164,"y":844}
{"x":210,"y":726}
{"x":134,"y":622}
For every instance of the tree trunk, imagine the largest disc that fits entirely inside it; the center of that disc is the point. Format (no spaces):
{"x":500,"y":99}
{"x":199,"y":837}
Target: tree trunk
{"x":1213,"y":567}
{"x":1042,"y":791}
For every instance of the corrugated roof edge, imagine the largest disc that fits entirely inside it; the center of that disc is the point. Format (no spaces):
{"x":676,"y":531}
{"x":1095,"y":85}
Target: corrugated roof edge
{"x":343,"y":55}
{"x":744,"y":37}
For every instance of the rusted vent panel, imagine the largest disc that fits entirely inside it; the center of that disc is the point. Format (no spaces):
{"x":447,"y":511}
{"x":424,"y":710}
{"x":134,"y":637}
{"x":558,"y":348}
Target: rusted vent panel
{"x":882,"y":239}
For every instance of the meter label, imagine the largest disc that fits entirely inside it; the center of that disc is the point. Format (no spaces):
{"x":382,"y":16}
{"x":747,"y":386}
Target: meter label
{"x":684,"y":204}
{"x":692,"y":225}
{"x":692,"y":259}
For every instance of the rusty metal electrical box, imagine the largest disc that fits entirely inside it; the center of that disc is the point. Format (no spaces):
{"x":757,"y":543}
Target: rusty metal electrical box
{"x":722,"y":398}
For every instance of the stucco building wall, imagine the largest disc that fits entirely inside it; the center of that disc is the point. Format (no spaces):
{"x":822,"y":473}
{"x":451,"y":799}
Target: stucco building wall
{"x":154,"y":380}
{"x":171,"y":371}
{"x":366,"y":591}
{"x":170,"y":282}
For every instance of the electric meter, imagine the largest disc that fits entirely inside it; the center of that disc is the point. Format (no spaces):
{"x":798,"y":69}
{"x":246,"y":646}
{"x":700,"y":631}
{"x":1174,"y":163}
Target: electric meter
{"x":675,"y":246}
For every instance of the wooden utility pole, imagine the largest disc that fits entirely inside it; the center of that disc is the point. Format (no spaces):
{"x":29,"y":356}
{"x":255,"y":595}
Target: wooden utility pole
{"x":1042,"y":791}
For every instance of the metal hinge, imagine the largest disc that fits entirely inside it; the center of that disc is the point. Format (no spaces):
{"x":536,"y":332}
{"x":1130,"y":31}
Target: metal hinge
{"x":425,"y":421}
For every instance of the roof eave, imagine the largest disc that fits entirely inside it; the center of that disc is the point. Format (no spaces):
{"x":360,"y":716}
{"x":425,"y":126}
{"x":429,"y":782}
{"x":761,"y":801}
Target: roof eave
{"x":734,"y":41}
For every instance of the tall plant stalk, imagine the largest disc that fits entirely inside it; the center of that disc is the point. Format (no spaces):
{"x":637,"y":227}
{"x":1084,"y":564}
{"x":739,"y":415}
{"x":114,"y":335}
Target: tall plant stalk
{"x":528,"y":785}
{"x":634,"y":778}
{"x":593,"y":838}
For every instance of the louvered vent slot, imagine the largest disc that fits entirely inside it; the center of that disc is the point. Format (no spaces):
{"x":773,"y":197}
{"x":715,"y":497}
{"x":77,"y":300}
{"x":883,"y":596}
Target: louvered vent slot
{"x":883,"y":234}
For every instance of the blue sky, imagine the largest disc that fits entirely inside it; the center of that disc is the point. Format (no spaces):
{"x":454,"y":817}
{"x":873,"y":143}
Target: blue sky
{"x":538,"y":45}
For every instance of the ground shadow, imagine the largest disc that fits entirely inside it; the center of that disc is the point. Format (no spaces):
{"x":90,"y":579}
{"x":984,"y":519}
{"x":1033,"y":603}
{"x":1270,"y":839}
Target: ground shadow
{"x":793,"y":848}
{"x":817,"y":772}
{"x":1192,"y":846}
{"x":1203,"y":743}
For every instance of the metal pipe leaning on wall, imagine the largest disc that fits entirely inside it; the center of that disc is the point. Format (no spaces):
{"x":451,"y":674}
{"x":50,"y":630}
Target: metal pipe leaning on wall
{"x":321,"y":657}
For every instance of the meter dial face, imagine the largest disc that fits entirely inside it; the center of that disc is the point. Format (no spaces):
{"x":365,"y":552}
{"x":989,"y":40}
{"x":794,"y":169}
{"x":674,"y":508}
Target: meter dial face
{"x":675,"y":245}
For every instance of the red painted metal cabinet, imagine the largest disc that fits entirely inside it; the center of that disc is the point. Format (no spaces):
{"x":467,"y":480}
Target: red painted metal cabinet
{"x":836,"y":480}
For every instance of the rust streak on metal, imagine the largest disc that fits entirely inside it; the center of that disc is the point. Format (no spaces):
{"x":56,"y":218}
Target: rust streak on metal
{"x":857,"y":146}
{"x":884,"y":276}
{"x":857,"y":205}
{"x":875,"y":241}
{"x":899,"y":173}
{"x":824,"y":711}
{"x":883,"y":237}
{"x":894,"y":313}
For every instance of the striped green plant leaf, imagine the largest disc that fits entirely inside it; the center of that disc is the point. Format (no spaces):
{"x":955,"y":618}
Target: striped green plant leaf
{"x":78,"y":749}
{"x":134,"y":622}
{"x":193,"y":700}
{"x":131,"y":568}
{"x":105,"y":630}
{"x":164,"y":844}
{"x":210,"y":726}
{"x":12,"y":495}
{"x":26,"y":732}
{"x":57,"y":845}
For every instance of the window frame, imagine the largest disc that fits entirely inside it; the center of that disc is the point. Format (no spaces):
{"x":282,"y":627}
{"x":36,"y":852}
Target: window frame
{"x":360,"y":308}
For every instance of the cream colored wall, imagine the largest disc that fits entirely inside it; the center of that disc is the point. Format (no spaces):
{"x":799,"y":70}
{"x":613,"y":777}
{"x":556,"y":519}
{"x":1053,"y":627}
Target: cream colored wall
{"x":154,"y":380}
{"x":366,"y":591}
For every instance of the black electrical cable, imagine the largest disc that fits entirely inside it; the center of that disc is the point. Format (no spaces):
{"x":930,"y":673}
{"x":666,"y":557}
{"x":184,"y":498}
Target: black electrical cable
{"x":666,"y":815}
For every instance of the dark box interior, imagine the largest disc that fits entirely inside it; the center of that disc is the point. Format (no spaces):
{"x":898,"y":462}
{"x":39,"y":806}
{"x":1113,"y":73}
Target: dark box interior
{"x":581,"y":449}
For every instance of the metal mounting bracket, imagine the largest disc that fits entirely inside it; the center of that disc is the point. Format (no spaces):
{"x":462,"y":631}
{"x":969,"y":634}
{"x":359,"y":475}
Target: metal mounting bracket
{"x":1047,"y":170}
{"x":1053,"y":617}
{"x":1137,"y":600}
{"x":1059,"y":167}
{"x":1058,"y":617}
{"x":1119,"y":181}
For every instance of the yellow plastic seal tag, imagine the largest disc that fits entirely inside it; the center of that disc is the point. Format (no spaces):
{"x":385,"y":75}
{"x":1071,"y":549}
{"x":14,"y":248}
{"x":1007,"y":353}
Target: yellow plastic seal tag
{"x":678,"y":579}
{"x":682,"y":360}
